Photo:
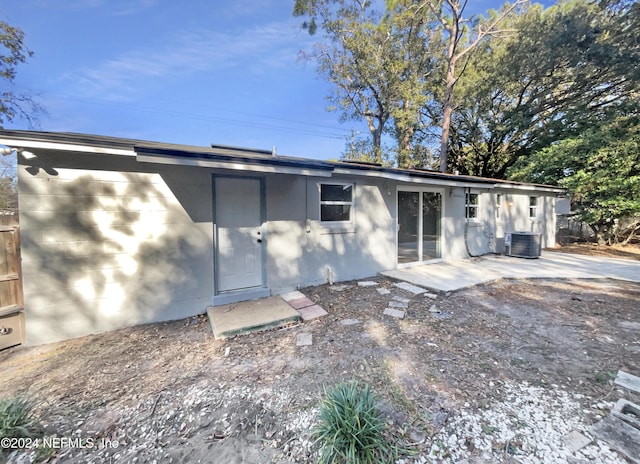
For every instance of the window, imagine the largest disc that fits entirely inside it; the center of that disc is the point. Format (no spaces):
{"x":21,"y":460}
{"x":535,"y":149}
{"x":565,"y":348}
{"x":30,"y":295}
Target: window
{"x":498,"y":205}
{"x":336,"y":202}
{"x":533,"y":207}
{"x":471,"y":205}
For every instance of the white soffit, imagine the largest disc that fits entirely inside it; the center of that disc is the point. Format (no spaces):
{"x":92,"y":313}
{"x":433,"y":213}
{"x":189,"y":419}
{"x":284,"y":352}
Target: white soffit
{"x":530,"y":187}
{"x":232,"y":165}
{"x":13,"y":143}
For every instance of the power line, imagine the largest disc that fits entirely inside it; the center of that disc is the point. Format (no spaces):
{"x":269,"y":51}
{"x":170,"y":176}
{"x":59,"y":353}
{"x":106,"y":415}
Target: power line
{"x":341,"y":134}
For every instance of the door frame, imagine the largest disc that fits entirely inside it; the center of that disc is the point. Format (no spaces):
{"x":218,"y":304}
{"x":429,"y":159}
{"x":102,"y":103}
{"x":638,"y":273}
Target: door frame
{"x":231,"y":296}
{"x":441,"y":191}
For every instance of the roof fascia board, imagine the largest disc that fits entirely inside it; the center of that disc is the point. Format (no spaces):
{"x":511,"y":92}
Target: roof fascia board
{"x":530,"y":188}
{"x":14,"y":143}
{"x":414,"y":179}
{"x":232,"y":165}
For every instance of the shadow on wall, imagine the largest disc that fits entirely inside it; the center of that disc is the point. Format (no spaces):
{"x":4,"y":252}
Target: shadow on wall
{"x":108,"y":243}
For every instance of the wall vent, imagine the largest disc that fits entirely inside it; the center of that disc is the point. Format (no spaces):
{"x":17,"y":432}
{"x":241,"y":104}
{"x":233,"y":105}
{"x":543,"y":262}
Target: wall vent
{"x":523,"y":244}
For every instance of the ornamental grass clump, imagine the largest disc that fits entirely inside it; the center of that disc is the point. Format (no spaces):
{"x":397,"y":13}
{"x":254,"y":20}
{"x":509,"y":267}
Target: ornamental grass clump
{"x":351,"y":428}
{"x":16,"y":420}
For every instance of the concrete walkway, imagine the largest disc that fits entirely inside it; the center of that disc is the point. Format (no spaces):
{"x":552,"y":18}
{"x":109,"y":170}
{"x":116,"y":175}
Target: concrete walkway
{"x":456,"y":275}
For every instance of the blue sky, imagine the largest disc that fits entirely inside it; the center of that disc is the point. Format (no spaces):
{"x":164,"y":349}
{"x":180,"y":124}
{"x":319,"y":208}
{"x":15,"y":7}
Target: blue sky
{"x":194,"y":72}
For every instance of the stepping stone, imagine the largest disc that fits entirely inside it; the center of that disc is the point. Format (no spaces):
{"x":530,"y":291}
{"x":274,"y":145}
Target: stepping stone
{"x":350,"y":322}
{"x":400,"y":299}
{"x":575,"y":441}
{"x":383,"y":291}
{"x":312,"y":312}
{"x":299,"y":303}
{"x":394,"y":313}
{"x":367,"y":283}
{"x":434,"y":309}
{"x":410,"y":288}
{"x":433,"y":296}
{"x":295,"y":295}
{"x":304,"y":339}
{"x":398,"y":304}
{"x":339,"y":288}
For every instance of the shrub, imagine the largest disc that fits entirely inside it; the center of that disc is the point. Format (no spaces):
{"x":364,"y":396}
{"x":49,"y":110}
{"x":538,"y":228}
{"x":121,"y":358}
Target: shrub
{"x":351,"y":428}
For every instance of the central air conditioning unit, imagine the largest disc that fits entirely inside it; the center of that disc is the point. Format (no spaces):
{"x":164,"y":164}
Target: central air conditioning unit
{"x":522,"y":244}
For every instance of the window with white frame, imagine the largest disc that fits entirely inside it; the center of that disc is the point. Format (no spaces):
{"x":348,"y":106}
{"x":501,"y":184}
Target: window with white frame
{"x":498,"y":205}
{"x":336,"y":202}
{"x":533,"y":207}
{"x":471,"y":205}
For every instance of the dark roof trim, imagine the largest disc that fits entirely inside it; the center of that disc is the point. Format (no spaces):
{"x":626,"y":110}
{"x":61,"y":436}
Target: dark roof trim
{"x":254,"y":157}
{"x":231,"y":156}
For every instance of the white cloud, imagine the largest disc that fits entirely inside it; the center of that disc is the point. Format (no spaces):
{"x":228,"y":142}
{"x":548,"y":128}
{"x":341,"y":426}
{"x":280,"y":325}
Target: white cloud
{"x":255,"y":50}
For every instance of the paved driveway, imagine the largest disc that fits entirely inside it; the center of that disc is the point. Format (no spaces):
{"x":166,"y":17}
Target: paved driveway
{"x":455,"y":275}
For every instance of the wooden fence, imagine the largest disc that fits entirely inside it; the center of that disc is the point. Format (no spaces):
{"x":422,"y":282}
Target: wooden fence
{"x":11,"y":297}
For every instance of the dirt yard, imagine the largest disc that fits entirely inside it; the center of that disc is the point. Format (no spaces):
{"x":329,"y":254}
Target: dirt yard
{"x":496,"y":373}
{"x":631,"y":251}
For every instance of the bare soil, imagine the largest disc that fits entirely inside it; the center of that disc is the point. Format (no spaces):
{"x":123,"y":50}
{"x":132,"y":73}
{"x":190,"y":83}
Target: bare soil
{"x":168,"y":393}
{"x":630,"y":251}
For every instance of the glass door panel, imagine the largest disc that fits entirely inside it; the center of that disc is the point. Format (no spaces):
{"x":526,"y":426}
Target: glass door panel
{"x":431,"y":230}
{"x":408,"y":233}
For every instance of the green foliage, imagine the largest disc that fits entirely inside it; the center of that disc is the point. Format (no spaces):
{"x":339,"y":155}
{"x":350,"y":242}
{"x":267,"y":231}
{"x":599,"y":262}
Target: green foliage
{"x":16,"y":420}
{"x":351,"y":429}
{"x":569,"y":68}
{"x":379,"y":64}
{"x":601,"y":170}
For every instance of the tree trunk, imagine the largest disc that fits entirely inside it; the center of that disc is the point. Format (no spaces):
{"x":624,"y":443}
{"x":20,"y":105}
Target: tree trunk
{"x":448,"y":96}
{"x":446,"y":124}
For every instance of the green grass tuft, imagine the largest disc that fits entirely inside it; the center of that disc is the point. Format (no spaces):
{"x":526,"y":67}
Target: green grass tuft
{"x":351,"y":428}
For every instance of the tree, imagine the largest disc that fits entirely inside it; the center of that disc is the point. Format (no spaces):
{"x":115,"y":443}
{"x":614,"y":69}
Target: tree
{"x":12,"y":53}
{"x":601,"y":170}
{"x":377,"y":64}
{"x":462,"y":36}
{"x":570,"y":67}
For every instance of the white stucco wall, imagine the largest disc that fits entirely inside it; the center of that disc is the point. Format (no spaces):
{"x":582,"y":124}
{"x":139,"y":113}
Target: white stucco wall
{"x":303,"y":251}
{"x":515,"y":216}
{"x":105,"y":245}
{"x":109,"y":242}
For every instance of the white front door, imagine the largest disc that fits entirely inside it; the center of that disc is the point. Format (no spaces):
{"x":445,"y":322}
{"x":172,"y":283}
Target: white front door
{"x":238,"y":217}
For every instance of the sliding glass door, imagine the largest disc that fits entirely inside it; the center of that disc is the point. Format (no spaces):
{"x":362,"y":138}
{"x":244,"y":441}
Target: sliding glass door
{"x":419,"y":226}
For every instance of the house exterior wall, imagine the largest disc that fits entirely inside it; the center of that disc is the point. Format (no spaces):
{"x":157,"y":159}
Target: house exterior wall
{"x":109,"y":242}
{"x":107,"y":245}
{"x":515,"y":216}
{"x":304,"y":251}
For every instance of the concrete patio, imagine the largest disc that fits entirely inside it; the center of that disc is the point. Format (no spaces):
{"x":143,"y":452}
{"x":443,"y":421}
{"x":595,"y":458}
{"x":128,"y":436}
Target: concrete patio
{"x":456,"y":275}
{"x":277,"y":311}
